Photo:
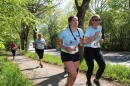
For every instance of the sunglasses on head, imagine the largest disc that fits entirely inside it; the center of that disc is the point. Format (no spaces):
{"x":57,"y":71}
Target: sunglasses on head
{"x":97,"y":20}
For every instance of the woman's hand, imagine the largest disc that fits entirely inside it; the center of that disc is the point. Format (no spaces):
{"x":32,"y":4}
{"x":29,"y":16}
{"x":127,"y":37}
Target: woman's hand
{"x":82,"y":41}
{"x":101,"y":40}
{"x":44,"y":43}
{"x":68,"y":49}
{"x":96,"y":34}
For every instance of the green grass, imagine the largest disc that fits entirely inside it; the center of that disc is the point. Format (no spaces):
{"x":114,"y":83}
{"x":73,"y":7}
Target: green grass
{"x":47,"y":58}
{"x":10,"y":75}
{"x":117,"y":73}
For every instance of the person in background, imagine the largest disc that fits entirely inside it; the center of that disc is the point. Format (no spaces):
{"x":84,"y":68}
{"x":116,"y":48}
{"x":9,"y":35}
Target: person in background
{"x":68,"y":40}
{"x":39,"y":45}
{"x":92,"y":51}
{"x":13,"y":49}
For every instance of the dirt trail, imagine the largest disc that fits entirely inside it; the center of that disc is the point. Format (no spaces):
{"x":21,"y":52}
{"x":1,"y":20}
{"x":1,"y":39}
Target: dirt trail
{"x":49,"y":75}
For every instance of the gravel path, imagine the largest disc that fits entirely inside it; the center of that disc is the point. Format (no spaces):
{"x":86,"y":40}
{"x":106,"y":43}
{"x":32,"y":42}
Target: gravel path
{"x":49,"y":75}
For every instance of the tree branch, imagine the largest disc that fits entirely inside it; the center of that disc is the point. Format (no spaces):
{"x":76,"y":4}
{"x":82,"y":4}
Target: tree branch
{"x":77,"y":4}
{"x":17,"y":30}
{"x":49,"y":8}
{"x":85,"y":3}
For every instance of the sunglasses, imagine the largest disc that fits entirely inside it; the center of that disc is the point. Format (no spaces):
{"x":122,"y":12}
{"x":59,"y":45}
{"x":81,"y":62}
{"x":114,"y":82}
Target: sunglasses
{"x":97,"y":20}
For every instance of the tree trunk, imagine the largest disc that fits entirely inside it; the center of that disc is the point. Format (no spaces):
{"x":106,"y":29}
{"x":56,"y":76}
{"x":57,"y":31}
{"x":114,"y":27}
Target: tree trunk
{"x":26,"y":31}
{"x":81,"y":14}
{"x":22,"y":40}
{"x":34,"y":34}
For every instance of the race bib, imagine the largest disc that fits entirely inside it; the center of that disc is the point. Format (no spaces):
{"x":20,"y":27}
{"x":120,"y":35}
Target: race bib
{"x":40,"y":45}
{"x":95,"y":44}
{"x":74,"y":49}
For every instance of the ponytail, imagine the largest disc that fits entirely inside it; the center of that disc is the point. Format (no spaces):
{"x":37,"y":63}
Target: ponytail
{"x":90,"y":22}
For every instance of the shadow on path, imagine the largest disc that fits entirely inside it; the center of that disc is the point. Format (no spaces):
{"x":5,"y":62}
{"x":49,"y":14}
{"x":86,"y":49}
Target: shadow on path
{"x":117,"y":57}
{"x":30,"y":68}
{"x":52,"y":80}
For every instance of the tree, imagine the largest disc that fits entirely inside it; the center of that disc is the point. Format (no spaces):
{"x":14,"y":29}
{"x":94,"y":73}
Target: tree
{"x":40,"y":8}
{"x":114,"y":19}
{"x":81,"y":15}
{"x":11,"y":16}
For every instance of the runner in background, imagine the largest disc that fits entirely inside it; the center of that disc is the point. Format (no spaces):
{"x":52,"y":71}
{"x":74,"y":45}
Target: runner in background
{"x":39,"y":46}
{"x":13,"y":49}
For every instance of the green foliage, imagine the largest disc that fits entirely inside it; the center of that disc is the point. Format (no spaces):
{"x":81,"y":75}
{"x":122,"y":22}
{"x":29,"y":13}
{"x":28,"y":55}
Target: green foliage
{"x":117,"y":72}
{"x":13,"y":13}
{"x":51,"y":59}
{"x":10,"y":75}
{"x":1,"y":45}
{"x":115,"y":22}
{"x":52,"y":26}
{"x":47,"y":57}
{"x":83,"y":66}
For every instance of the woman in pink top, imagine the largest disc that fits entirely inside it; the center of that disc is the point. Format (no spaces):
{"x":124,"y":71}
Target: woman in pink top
{"x":13,"y":49}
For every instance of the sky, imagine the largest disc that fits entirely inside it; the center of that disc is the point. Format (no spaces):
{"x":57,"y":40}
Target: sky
{"x":64,"y":3}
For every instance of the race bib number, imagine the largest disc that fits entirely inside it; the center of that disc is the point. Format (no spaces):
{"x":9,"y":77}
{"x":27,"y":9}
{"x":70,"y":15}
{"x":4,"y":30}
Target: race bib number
{"x":95,"y":44}
{"x":40,"y":45}
{"x":74,"y":49}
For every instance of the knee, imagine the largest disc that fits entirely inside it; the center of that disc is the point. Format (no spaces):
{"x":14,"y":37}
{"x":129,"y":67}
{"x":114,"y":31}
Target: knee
{"x":103,"y":66}
{"x":73,"y":76}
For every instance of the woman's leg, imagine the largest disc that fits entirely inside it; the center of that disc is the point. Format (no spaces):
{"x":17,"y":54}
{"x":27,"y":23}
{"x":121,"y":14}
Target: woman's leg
{"x":72,"y":69}
{"x":88,"y":55}
{"x":38,"y":51}
{"x":13,"y":52}
{"x":41,"y":57}
{"x":101,"y":62}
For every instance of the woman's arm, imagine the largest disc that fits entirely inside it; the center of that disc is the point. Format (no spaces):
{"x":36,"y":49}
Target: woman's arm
{"x":88,"y":40}
{"x":44,"y":43}
{"x":60,"y":44}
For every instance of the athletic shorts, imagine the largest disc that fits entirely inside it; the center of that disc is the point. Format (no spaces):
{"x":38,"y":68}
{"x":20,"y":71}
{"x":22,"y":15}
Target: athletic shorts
{"x":70,"y":57}
{"x":40,"y":53}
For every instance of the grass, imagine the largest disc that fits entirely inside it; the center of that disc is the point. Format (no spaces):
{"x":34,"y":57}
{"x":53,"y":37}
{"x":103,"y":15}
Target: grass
{"x":47,"y":58}
{"x":117,"y":73}
{"x":10,"y":75}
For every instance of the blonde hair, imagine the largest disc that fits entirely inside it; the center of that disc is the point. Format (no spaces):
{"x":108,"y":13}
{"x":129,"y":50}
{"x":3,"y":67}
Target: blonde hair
{"x":92,"y":18}
{"x":39,"y":34}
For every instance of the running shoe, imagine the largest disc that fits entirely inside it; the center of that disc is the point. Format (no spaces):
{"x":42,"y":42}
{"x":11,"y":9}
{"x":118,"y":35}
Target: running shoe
{"x":89,"y":84}
{"x":97,"y":83}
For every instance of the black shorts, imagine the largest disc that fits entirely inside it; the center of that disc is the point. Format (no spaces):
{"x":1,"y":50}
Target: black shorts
{"x":40,"y":53}
{"x":70,"y":57}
